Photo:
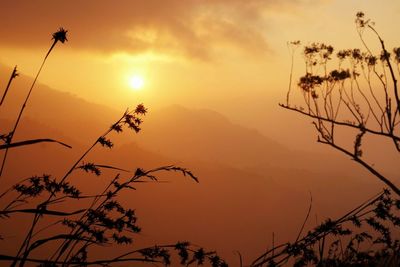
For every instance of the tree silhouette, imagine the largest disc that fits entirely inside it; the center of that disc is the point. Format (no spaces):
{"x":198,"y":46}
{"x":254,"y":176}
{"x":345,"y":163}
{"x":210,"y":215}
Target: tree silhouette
{"x":359,"y":95}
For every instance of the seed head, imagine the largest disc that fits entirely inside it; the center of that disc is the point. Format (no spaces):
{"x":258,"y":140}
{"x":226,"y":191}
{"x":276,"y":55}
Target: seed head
{"x":60,"y":35}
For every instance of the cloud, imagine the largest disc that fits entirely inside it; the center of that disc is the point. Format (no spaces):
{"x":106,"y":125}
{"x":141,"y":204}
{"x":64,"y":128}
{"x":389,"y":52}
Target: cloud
{"x":192,"y":28}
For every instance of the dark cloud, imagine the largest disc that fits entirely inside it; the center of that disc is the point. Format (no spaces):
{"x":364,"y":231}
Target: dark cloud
{"x":190,"y":27}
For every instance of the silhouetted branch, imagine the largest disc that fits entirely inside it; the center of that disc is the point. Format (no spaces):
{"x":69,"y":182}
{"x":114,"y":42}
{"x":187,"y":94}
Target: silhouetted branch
{"x":32,"y":142}
{"x":342,"y":123}
{"x":41,"y":211}
{"x":365,"y":165}
{"x":77,"y":263}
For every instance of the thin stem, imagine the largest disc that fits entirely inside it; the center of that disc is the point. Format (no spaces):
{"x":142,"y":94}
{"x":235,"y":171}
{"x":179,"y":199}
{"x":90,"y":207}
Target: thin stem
{"x":24,"y":105}
{"x":14,"y":74}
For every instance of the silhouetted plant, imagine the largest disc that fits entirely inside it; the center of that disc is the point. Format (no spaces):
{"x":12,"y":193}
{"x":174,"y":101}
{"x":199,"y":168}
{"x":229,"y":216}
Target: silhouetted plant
{"x":14,"y":75}
{"x":361,"y":94}
{"x":335,"y":99}
{"x":58,"y":36}
{"x":100,"y":220}
{"x":365,"y":236}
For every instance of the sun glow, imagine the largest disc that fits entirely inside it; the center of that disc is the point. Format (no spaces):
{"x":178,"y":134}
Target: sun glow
{"x":136,"y":82}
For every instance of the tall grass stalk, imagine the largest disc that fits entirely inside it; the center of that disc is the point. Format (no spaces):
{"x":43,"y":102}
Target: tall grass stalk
{"x":59,"y":36}
{"x":14,"y":75}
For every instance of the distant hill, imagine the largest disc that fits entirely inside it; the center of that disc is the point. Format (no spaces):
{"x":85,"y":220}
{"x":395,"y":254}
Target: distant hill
{"x":181,"y":132}
{"x":68,"y":113}
{"x":250,"y":185}
{"x":206,"y":135}
{"x":175,"y":131}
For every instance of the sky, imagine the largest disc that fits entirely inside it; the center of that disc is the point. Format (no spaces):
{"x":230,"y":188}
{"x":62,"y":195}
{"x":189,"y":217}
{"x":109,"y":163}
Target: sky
{"x":227,"y":55}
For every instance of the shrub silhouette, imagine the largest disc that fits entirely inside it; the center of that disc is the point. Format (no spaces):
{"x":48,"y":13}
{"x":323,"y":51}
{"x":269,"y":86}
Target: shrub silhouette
{"x":336,"y":99}
{"x":100,"y":219}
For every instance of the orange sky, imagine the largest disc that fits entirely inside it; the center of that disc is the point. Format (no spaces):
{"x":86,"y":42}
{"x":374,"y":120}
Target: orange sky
{"x":227,"y":55}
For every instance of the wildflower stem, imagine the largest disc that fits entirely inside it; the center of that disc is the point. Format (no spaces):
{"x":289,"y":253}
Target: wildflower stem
{"x":14,"y":74}
{"x":12,"y":133}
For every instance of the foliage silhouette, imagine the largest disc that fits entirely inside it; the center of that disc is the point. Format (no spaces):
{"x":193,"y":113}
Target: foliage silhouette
{"x":99,"y":219}
{"x":336,"y":99}
{"x":365,"y":236}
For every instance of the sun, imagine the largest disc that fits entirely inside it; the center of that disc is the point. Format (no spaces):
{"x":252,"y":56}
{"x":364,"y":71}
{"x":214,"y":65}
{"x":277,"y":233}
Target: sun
{"x":136,"y":82}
